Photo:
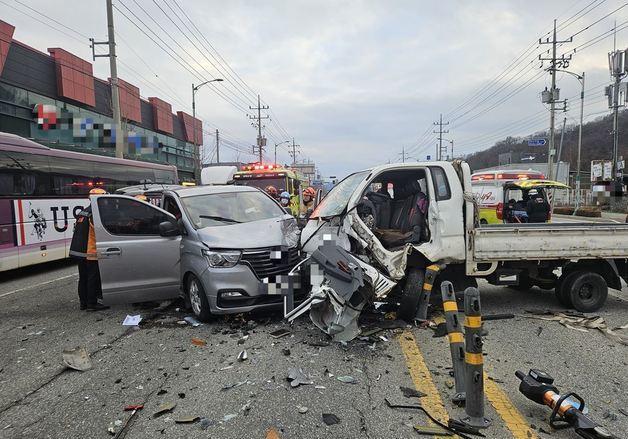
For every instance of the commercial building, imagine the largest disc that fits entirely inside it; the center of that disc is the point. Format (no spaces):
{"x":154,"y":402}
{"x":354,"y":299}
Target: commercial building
{"x":54,"y":99}
{"x":307,"y":169}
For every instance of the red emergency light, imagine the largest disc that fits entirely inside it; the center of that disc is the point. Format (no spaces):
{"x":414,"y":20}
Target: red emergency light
{"x":261,"y":167}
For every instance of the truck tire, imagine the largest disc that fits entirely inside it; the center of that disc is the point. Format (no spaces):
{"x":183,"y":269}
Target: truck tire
{"x":563,"y":287}
{"x":588,"y":291}
{"x":197,"y":298}
{"x":411,"y":294}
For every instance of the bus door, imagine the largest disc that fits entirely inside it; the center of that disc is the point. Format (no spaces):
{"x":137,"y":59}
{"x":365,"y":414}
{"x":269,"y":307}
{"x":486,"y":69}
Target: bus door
{"x":137,"y":263}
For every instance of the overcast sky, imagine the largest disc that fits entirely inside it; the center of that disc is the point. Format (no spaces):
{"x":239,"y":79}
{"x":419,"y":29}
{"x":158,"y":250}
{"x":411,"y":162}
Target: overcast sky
{"x":352,"y":81}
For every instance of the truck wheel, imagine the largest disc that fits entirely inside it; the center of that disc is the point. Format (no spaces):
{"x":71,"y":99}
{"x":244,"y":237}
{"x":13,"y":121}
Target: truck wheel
{"x":198,"y":298}
{"x":563,"y":287}
{"x":588,"y":292}
{"x":411,"y":294}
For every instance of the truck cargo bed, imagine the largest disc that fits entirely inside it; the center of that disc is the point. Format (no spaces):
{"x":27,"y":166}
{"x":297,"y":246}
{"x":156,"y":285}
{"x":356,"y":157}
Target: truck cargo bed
{"x":549,"y":241}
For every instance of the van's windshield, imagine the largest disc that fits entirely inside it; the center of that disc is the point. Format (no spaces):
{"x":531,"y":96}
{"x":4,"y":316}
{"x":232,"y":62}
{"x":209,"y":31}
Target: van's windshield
{"x":336,"y":200}
{"x":230,"y":208}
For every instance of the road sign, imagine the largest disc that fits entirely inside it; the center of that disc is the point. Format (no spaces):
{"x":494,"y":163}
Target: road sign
{"x":537,"y":142}
{"x":429,"y":157}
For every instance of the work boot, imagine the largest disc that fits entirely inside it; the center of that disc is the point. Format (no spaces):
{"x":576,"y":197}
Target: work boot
{"x":97,"y":307}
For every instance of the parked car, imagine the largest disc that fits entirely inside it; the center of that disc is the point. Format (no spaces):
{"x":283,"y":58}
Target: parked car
{"x":220,"y":246}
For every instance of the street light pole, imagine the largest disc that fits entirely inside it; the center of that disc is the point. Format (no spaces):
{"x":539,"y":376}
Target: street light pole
{"x":276,"y":145}
{"x":197,"y":149}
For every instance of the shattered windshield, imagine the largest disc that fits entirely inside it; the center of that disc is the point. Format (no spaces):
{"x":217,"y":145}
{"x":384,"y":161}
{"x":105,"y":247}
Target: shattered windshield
{"x":230,"y":208}
{"x":336,"y":200}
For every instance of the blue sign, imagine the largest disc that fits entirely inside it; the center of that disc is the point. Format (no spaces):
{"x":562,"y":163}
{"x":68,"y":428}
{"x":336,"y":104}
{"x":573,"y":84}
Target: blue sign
{"x":537,"y":142}
{"x":429,"y":157}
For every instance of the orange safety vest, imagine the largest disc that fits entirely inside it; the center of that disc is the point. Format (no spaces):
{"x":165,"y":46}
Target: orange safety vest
{"x":91,"y":243}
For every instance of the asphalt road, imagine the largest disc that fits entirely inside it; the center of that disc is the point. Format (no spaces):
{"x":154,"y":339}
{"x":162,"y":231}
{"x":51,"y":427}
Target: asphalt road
{"x":158,"y":364}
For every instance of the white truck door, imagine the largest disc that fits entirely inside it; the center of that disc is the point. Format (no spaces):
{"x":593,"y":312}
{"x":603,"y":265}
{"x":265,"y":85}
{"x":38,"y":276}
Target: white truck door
{"x":136,"y":262}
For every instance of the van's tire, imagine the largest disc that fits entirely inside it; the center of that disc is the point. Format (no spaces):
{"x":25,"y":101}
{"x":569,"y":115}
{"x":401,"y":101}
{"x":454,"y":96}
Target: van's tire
{"x":563,"y":287}
{"x":198,"y":299}
{"x":588,"y":291}
{"x":411,"y":294}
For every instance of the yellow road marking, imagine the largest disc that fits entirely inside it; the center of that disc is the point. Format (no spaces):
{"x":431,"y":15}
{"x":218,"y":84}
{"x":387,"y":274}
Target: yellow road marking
{"x":421,"y":377}
{"x":514,"y":420}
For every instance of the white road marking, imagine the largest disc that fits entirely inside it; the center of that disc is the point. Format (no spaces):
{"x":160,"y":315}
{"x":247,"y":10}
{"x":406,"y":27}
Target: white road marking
{"x":38,"y":285}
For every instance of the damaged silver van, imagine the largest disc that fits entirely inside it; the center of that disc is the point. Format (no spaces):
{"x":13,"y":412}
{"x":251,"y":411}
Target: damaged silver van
{"x":221,"y":246}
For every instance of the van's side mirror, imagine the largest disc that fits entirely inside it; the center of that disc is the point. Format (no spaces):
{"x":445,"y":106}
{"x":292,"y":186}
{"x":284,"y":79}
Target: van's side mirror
{"x":168,"y":228}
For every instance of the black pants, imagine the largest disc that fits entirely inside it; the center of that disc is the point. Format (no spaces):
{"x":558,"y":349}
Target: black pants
{"x":89,"y":287}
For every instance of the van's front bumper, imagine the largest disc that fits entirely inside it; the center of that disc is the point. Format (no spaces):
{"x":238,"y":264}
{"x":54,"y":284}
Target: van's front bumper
{"x":237,"y":290}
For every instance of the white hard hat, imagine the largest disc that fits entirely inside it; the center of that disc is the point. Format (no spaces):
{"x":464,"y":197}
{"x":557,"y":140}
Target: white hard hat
{"x":533,"y":192}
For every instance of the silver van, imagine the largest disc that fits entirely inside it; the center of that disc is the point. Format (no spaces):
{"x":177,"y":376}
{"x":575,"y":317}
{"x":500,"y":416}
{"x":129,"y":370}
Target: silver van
{"x":221,"y":246}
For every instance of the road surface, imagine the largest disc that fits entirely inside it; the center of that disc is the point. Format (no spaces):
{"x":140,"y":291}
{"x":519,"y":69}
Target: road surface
{"x":158,"y":364}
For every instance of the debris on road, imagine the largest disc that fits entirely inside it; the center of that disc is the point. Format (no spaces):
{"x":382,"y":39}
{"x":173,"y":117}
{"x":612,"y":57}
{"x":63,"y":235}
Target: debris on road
{"x":432,"y":430}
{"x":243,"y":356}
{"x":579,"y":322}
{"x":206,"y":423}
{"x":164,"y":408}
{"x":428,"y":414}
{"x":233,"y":385}
{"x":198,"y":341}
{"x":409,"y":392}
{"x":192,"y":321}
{"x":286,"y":352}
{"x":302,"y":409}
{"x":272,"y":433}
{"x":114,"y":427}
{"x":131,"y":407}
{"x":489,"y":317}
{"x":187,"y":419}
{"x":538,"y":386}
{"x":297,"y":377}
{"x":77,"y":359}
{"x":330,"y":419}
{"x":440,"y":330}
{"x":279,"y":333}
{"x":132,"y":320}
{"x":347,"y":379}
{"x":229,"y":417}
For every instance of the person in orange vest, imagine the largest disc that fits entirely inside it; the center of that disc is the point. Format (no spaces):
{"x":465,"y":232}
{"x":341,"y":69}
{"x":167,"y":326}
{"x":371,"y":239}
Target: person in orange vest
{"x":83,"y":248}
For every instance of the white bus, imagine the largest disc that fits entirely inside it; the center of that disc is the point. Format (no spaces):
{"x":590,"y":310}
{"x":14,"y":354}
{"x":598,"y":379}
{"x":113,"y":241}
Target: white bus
{"x":43,"y":189}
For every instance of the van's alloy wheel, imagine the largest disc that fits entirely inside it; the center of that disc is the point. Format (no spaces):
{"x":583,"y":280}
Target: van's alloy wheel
{"x":195,"y":298}
{"x":198,"y":298}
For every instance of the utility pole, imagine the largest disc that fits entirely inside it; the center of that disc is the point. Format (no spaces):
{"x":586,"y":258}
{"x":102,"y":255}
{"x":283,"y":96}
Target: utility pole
{"x":618,"y":69}
{"x":294,"y":151}
{"x":440,"y":132}
{"x":403,"y":154}
{"x":217,"y":146}
{"x":115,"y":93}
{"x":552,"y":96}
{"x":197,"y":147}
{"x":261,"y":141}
{"x":452,"y":149}
{"x":579,"y":146}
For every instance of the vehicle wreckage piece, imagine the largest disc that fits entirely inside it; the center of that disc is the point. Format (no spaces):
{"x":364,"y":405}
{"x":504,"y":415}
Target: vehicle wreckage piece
{"x":340,"y":291}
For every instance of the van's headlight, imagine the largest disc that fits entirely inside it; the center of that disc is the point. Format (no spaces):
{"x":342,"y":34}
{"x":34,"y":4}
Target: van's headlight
{"x":222,"y":258}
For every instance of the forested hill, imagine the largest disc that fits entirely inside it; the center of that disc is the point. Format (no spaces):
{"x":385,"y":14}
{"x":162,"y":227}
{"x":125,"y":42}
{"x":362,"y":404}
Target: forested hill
{"x":597,"y":144}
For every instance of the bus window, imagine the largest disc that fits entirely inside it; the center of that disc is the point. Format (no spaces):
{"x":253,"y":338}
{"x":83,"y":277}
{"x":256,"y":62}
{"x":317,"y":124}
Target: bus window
{"x":23,"y":174}
{"x":70,"y":176}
